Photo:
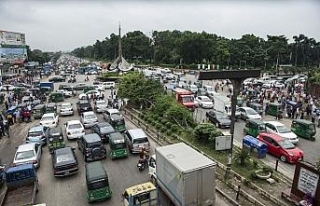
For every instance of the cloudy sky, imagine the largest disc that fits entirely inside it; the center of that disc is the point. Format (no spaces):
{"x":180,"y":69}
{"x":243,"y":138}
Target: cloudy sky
{"x":54,"y":25}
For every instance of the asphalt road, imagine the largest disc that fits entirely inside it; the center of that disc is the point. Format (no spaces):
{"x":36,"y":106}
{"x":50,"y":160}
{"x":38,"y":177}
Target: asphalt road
{"x":310,"y":148}
{"x":71,"y":190}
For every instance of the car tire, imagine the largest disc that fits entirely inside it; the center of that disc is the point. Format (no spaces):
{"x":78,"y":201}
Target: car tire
{"x":283,"y":158}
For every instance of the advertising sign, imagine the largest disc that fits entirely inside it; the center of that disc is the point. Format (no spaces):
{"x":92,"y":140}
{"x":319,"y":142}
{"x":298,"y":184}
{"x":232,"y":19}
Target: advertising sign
{"x":308,"y":181}
{"x":12,"y":55}
{"x":12,"y":38}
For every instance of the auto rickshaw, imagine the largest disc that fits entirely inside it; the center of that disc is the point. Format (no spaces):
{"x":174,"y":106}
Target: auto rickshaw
{"x":142,"y":194}
{"x":257,"y":107}
{"x":38,"y":111}
{"x":253,"y":127}
{"x":97,"y":182}
{"x":88,"y":88}
{"x":55,"y":137}
{"x":51,"y":107}
{"x":118,"y":147}
{"x":36,"y":83}
{"x":304,"y":128}
{"x":273,"y":109}
{"x":56,"y":97}
{"x":118,"y":123}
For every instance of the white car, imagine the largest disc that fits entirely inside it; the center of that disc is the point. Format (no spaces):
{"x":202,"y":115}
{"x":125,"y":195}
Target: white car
{"x":65,"y":93}
{"x":6,"y":87}
{"x":74,"y":129}
{"x":248,"y":113}
{"x":88,"y":94}
{"x":108,"y":85}
{"x":28,"y":153}
{"x":66,"y":109}
{"x":204,"y":102}
{"x":101,"y":106}
{"x":279,"y":85}
{"x":113,"y":111}
{"x":98,"y":87}
{"x":88,"y":119}
{"x":282,"y":130}
{"x":49,"y":120}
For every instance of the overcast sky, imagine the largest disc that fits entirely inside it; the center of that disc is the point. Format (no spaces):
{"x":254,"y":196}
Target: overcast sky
{"x":64,"y":25}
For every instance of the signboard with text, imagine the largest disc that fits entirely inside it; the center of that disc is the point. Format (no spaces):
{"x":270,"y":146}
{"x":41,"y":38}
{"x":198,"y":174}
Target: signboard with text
{"x":8,"y":38}
{"x":306,"y":180}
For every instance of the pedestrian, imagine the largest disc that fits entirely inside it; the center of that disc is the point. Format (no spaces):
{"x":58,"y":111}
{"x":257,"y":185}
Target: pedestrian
{"x":6,"y":105}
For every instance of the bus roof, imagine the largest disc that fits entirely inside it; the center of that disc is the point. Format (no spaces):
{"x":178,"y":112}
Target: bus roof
{"x":141,"y":188}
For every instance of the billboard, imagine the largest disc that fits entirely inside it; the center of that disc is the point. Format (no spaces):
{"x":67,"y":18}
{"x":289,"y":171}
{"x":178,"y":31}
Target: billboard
{"x":12,"y":38}
{"x":12,"y":55}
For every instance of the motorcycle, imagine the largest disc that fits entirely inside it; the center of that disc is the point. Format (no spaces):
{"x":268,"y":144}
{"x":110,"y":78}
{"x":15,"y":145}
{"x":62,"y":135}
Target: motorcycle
{"x":143,"y":163}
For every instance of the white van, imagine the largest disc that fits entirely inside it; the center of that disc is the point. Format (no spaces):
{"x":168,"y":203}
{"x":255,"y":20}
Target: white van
{"x":108,"y":85}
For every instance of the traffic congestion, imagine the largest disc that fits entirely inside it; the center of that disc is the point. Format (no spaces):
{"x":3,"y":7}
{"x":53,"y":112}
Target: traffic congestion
{"x":65,"y":135}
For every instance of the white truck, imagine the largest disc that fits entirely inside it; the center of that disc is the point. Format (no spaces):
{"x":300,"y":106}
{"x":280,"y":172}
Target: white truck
{"x":223,"y":104}
{"x":183,"y":175}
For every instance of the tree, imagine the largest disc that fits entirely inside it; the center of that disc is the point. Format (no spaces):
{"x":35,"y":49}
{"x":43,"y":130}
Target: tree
{"x":205,"y":132}
{"x":140,"y":90}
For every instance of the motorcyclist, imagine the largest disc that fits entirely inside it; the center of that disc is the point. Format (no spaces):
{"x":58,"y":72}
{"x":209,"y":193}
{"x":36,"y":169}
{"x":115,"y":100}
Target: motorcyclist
{"x":143,"y":154}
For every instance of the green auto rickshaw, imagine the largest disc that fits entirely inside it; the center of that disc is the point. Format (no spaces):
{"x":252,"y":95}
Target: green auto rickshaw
{"x":118,"y":147}
{"x":117,"y":122}
{"x":55,"y":138}
{"x":273,"y":109}
{"x":253,"y":127}
{"x":46,"y":90}
{"x":97,"y":182}
{"x":51,"y":107}
{"x":56,"y":97}
{"x":88,"y":88}
{"x":304,"y":128}
{"x":38,"y":111}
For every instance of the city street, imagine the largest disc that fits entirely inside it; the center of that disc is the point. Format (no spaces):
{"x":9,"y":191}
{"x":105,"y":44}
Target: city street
{"x":71,"y":190}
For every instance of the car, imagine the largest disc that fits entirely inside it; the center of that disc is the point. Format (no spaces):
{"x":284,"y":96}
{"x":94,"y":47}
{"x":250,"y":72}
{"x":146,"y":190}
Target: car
{"x":28,"y":153}
{"x":66,"y":109}
{"x":88,"y":119}
{"x":79,"y":86}
{"x":57,"y":79}
{"x":49,"y":120}
{"x":204,"y":102}
{"x":65,"y":93}
{"x":7,"y":87}
{"x":108,"y":85}
{"x":74,"y":129}
{"x":83,"y":106}
{"x":219,"y":119}
{"x":23,"y":85}
{"x":89,"y":94}
{"x":103,"y":129}
{"x":37,"y":134}
{"x":281,"y":130}
{"x":65,"y":87}
{"x":92,"y":147}
{"x":248,"y":113}
{"x":64,"y":162}
{"x":100,"y":106}
{"x":135,"y":139}
{"x":98,"y":87}
{"x":281,"y":147}
{"x":109,"y":112}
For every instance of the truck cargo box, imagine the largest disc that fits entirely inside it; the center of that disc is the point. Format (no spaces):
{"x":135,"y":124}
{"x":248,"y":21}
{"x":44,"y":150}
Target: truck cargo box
{"x":186,"y":176}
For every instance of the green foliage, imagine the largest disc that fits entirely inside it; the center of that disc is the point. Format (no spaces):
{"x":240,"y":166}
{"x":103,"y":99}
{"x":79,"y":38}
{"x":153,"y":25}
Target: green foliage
{"x":163,"y":121}
{"x":206,"y":132}
{"x":158,"y":126}
{"x":162,"y":103}
{"x":163,"y":129}
{"x":241,"y":157}
{"x":179,"y":115}
{"x":174,"y":128}
{"x":168,"y":125}
{"x":140,"y":91}
{"x":267,"y":169}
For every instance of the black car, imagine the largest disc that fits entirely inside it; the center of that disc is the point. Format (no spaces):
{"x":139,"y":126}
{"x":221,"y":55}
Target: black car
{"x":57,"y":79}
{"x":64,"y":162}
{"x":84,"y":106}
{"x":92,"y":147}
{"x":79,"y":87}
{"x":35,"y":103}
{"x":220,"y":119}
{"x":65,"y":87}
{"x":103,"y":129}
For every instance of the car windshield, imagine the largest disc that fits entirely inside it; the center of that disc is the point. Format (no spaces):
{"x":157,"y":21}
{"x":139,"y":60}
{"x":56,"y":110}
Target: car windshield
{"x":251,"y":112}
{"x":94,"y":144}
{"x":222,"y":116}
{"x":65,"y":105}
{"x":283,"y":129}
{"x":67,"y":157}
{"x":35,"y":133}
{"x":25,"y":155}
{"x":187,"y":99}
{"x":286,"y":144}
{"x":75,"y":126}
{"x":47,"y":118}
{"x":90,"y":116}
{"x":98,"y":184}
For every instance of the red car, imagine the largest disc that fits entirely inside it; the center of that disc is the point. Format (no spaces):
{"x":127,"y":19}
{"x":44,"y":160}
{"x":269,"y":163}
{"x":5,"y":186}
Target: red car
{"x":281,"y":148}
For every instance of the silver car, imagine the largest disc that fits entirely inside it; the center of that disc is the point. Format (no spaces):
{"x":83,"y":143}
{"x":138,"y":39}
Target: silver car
{"x":28,"y":153}
{"x":88,"y":119}
{"x":66,"y":109}
{"x":100,"y":106}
